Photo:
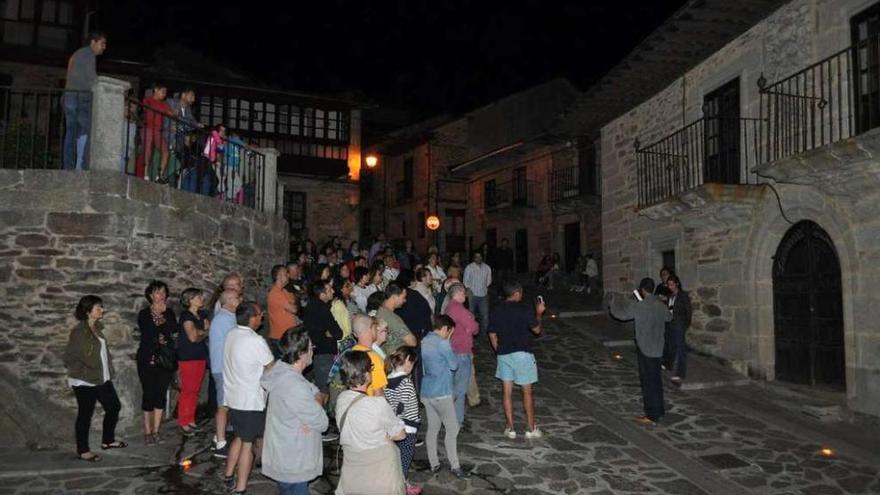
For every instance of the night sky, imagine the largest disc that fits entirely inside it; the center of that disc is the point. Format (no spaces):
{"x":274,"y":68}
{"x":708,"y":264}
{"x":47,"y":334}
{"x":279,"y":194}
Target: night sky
{"x":429,"y":57}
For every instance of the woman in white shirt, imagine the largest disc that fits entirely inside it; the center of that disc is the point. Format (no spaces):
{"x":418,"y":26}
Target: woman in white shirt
{"x":368,"y":429}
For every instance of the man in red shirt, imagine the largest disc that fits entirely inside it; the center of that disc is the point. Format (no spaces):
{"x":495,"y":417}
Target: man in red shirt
{"x":156,"y":109}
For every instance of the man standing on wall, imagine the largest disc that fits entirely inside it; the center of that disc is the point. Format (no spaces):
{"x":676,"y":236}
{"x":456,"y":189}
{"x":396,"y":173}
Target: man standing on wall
{"x":77,"y":101}
{"x":650,"y":315}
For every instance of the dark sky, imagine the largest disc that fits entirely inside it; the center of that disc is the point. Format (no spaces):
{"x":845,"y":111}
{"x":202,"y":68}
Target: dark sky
{"x":428,"y":56}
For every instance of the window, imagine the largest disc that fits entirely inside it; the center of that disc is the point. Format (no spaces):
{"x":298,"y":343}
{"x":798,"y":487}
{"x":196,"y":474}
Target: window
{"x":295,"y":211}
{"x":490,"y":194}
{"x":43,"y":23}
{"x":587,"y":171}
{"x":420,"y":220}
{"x":669,"y":259}
{"x":408,"y":178}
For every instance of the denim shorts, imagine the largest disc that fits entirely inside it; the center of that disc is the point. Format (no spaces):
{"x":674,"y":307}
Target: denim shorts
{"x":518,"y":367}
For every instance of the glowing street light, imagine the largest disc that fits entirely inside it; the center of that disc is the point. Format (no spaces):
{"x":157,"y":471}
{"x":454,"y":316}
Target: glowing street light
{"x":432,"y":222}
{"x":371,"y":161}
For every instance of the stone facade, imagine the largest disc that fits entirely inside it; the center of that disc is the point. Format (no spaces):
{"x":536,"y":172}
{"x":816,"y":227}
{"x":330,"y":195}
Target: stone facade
{"x":331,"y":207}
{"x":484,"y":137}
{"x":67,"y":234}
{"x":724,"y":237}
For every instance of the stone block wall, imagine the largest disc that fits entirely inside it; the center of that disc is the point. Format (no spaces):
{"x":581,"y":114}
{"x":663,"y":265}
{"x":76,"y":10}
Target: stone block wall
{"x":66,"y":234}
{"x":331,"y":207}
{"x":725,"y":240}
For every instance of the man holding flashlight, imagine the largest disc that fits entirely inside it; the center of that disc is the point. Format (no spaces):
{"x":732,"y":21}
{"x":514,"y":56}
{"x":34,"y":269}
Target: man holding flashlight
{"x":650,"y":315}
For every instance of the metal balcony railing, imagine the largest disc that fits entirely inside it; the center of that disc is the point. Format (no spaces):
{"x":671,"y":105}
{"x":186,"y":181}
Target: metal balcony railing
{"x":709,"y":150}
{"x":830,"y":100}
{"x":513,"y":194}
{"x":34,"y":132}
{"x":571,"y":182}
{"x":161,"y":148}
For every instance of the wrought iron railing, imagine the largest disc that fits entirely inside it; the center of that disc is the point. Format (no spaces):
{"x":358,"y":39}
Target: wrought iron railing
{"x":182,"y":154}
{"x":571,"y":182}
{"x":709,"y":150}
{"x":833,"y":99}
{"x":34,"y":132}
{"x":516,"y":193}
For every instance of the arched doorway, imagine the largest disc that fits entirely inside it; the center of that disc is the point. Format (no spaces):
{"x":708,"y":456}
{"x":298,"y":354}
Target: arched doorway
{"x":808,"y":308}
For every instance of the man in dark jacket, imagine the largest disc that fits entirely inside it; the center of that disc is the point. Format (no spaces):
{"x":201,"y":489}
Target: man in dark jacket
{"x":415,"y":312}
{"x":675,"y":352}
{"x":323,"y":331}
{"x":650,"y":315}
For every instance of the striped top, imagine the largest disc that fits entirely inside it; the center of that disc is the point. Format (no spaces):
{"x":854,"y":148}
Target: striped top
{"x":401,"y":395}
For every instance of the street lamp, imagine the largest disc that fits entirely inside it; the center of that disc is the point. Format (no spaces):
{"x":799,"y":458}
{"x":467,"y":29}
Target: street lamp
{"x":432,"y":222}
{"x":371,"y":160}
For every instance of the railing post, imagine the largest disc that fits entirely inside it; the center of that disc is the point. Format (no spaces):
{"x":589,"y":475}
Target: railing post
{"x":270,"y":179}
{"x":107,"y":135}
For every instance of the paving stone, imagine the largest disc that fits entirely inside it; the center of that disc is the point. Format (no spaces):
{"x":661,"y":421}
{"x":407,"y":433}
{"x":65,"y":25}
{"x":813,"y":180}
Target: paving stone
{"x":855,"y":484}
{"x":623,"y":484}
{"x":750,"y":481}
{"x":821,"y":490}
{"x":596,"y":434}
{"x":679,"y":487}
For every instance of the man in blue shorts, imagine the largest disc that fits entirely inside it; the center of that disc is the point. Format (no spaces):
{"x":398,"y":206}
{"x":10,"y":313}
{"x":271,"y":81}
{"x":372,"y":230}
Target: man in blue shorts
{"x":511,"y":326}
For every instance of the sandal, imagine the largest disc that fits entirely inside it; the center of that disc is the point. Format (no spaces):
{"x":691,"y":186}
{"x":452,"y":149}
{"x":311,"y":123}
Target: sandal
{"x":157,"y":438}
{"x":148,"y":439}
{"x":94,"y":457}
{"x":116,"y":444}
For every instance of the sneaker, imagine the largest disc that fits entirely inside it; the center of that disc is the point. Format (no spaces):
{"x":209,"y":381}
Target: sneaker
{"x":329,"y":437}
{"x":459,"y":473}
{"x":536,"y":433}
{"x":419,"y":443}
{"x":222,"y":452}
{"x":413,"y":489}
{"x":435,"y":469}
{"x":510,"y":433}
{"x":676,"y":379}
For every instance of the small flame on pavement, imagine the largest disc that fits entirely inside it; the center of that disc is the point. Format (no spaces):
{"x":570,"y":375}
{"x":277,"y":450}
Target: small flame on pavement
{"x":186,"y":464}
{"x":826,"y":452}
{"x":617,"y":356}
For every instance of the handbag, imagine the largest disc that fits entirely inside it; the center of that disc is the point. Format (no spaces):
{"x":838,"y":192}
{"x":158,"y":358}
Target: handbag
{"x":166,"y":356}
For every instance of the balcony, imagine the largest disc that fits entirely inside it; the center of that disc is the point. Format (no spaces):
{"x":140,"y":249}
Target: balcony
{"x":823,"y":119}
{"x":571,"y":183}
{"x":714,"y":150}
{"x":513,"y":194}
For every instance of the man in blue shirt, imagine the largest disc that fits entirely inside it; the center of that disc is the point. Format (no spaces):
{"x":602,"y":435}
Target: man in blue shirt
{"x":223,"y":322}
{"x":511,"y":326}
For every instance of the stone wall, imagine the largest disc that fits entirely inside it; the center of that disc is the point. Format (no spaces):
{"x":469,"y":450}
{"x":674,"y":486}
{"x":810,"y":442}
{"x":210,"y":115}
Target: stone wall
{"x":67,"y":234}
{"x":331,"y":207}
{"x":724,"y":237}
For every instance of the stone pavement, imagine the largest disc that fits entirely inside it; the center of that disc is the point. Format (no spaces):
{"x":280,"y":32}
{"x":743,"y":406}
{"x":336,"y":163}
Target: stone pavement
{"x":729,"y":439}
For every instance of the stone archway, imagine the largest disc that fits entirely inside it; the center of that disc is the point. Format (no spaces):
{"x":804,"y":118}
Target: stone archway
{"x":769,"y":227}
{"x":808,"y":308}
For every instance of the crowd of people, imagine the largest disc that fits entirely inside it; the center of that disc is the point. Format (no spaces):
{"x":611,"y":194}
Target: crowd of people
{"x":354,"y":342}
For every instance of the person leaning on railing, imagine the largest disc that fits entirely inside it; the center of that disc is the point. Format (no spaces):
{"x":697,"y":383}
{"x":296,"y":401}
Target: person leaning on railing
{"x":77,"y":101}
{"x":156,"y":110}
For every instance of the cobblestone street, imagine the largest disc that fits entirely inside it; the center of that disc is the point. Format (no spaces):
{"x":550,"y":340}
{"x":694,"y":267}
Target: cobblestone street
{"x":732,"y":439}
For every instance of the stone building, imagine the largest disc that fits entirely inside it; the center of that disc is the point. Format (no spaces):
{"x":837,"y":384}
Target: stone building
{"x":494,"y":173}
{"x":753,"y":173}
